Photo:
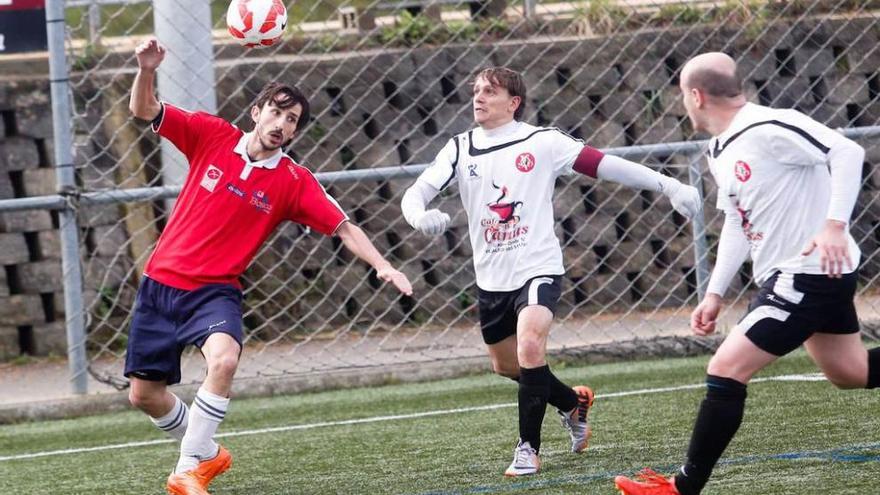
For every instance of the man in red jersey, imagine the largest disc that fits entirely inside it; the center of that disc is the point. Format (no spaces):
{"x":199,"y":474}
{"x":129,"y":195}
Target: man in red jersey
{"x":240,"y":186}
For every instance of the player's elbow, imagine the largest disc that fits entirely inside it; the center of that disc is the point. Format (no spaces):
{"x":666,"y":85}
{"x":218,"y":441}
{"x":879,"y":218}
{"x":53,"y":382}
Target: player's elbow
{"x":142,"y":111}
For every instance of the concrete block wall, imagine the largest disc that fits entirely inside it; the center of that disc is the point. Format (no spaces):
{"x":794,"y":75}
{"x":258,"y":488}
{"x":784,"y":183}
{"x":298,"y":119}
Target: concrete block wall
{"x":30,"y":278}
{"x":621,"y":247}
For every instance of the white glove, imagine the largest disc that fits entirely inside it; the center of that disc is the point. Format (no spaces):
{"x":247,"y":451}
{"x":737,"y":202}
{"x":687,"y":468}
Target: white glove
{"x":432,"y":222}
{"x":684,"y":198}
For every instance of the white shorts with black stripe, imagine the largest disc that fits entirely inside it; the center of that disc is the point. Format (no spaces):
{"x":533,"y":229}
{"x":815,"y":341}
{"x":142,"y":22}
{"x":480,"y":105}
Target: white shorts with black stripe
{"x":499,"y":310}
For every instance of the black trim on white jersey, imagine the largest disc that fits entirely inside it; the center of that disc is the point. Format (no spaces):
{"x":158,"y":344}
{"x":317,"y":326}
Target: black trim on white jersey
{"x":454,"y":164}
{"x":804,"y":134}
{"x":477,"y":152}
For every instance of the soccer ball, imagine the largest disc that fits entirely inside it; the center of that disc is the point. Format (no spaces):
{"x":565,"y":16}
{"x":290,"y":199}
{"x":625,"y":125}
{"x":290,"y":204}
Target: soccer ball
{"x":256,"y":22}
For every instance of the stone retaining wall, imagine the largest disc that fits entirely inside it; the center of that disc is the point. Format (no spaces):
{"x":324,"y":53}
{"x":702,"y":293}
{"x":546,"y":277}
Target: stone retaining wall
{"x":401,"y":107}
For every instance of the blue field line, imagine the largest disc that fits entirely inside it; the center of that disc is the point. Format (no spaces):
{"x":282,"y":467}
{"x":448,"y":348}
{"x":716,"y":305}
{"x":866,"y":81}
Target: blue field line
{"x":840,"y":454}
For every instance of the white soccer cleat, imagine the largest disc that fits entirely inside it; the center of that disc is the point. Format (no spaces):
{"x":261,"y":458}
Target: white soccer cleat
{"x":525,"y":460}
{"x":576,"y":422}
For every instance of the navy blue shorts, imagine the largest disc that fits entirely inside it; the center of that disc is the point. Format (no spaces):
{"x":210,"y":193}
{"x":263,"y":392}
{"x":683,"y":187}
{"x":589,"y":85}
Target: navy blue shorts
{"x":166,"y":320}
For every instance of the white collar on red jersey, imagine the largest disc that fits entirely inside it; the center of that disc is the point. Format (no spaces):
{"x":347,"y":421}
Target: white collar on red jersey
{"x":268,"y":163}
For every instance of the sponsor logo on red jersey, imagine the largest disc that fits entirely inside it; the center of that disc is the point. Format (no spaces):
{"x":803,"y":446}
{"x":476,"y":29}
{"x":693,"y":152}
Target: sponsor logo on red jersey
{"x":261,"y":202}
{"x":211,"y":177}
{"x":234,"y":190}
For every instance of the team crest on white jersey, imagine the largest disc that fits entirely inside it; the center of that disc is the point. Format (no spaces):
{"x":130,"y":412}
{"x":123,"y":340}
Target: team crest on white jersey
{"x":742,"y":171}
{"x":525,"y":162}
{"x":211,"y":177}
{"x":472,"y":171}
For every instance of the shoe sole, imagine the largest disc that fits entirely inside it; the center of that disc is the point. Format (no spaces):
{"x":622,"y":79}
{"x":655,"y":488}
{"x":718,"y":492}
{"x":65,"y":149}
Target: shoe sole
{"x":516,"y":475}
{"x":174,"y":491}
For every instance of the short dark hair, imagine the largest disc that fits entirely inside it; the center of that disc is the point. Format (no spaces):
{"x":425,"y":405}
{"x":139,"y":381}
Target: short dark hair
{"x":716,"y":83}
{"x":510,"y":80}
{"x":284,"y":96}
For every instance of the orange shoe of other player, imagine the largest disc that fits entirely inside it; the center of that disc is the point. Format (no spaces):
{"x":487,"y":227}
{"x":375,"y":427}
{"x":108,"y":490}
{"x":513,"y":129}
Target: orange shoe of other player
{"x":649,"y":483}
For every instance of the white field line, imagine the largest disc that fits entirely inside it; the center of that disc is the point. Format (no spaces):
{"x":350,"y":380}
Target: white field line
{"x":378,"y":419}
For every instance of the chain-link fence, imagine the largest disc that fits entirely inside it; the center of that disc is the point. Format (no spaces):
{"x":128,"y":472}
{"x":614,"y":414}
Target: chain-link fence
{"x":389,"y":83}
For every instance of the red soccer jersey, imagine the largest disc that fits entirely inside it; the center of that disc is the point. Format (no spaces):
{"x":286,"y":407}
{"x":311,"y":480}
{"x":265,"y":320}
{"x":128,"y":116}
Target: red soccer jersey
{"x":229,"y":205}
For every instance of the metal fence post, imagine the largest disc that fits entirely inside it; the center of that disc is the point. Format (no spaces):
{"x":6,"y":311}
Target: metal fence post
{"x":186,"y":78}
{"x":529,"y":8}
{"x":94,"y":14}
{"x":69,"y":231}
{"x":701,"y":247}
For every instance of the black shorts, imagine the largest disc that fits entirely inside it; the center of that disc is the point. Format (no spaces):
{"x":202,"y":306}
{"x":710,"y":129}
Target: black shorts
{"x":499,"y":310}
{"x":790,"y":308}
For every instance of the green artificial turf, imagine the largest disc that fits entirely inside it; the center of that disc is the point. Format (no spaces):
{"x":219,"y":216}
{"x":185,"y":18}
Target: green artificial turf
{"x":797,"y":438}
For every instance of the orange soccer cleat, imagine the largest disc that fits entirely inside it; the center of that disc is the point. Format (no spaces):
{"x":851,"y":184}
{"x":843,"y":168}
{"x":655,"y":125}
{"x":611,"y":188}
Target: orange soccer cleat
{"x":196,"y":481}
{"x":649,"y":483}
{"x":188,"y":483}
{"x":207,"y":470}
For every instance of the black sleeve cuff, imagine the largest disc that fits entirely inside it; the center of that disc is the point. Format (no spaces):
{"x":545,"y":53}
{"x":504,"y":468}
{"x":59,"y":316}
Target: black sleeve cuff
{"x":158,"y":119}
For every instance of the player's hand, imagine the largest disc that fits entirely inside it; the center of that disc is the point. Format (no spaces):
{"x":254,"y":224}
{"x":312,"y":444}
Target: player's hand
{"x":833,"y":246}
{"x":389,"y":274}
{"x":684,"y":198}
{"x":149,"y":54}
{"x":704,"y":316}
{"x":432,"y":222}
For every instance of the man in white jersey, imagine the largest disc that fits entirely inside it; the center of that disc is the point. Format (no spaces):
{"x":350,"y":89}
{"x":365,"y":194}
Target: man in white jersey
{"x":506,"y":170}
{"x":787,"y":185}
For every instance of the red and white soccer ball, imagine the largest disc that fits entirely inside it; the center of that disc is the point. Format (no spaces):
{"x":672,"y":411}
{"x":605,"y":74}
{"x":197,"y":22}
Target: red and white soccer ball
{"x":256,"y":22}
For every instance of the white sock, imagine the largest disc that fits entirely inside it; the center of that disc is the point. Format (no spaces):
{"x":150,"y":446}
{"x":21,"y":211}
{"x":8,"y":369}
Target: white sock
{"x":205,"y":415}
{"x":174,"y":423}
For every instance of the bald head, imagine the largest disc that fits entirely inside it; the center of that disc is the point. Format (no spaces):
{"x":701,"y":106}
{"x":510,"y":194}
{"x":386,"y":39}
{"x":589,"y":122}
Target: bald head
{"x":712,"y":73}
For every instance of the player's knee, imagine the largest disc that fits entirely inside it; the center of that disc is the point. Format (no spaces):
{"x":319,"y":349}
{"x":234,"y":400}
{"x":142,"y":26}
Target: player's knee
{"x":530,"y":352}
{"x":722,"y":366}
{"x":223,"y":365}
{"x":141,"y":400}
{"x":506,"y":370}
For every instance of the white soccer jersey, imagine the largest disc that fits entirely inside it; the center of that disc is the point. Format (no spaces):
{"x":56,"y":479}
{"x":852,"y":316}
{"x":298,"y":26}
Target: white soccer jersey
{"x":771,"y":167}
{"x":506,"y":179}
